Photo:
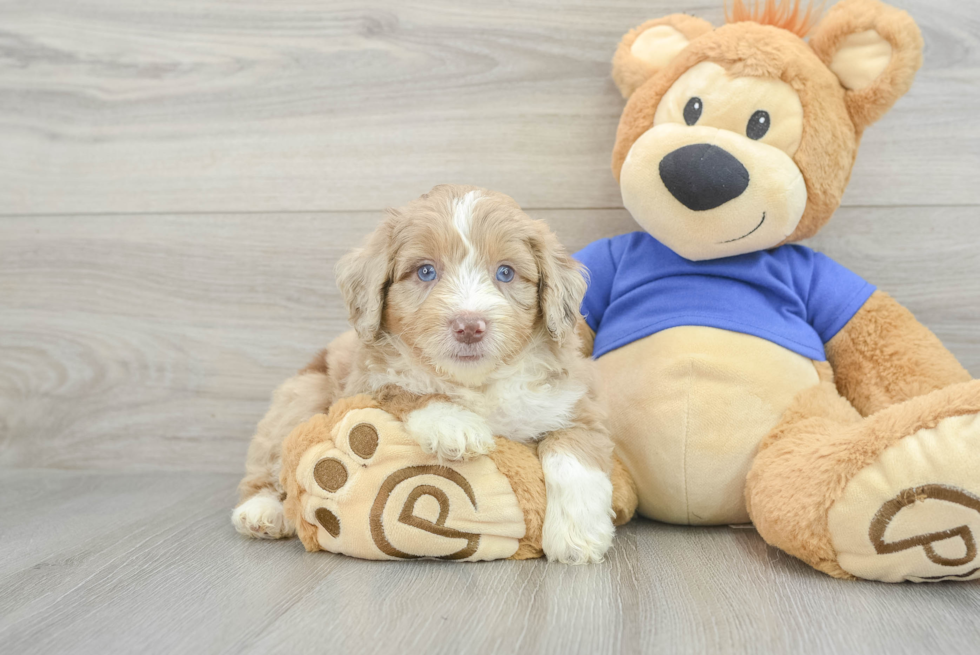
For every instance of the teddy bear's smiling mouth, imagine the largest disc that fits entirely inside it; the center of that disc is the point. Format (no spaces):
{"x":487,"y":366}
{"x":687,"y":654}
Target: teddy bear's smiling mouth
{"x":752,"y":231}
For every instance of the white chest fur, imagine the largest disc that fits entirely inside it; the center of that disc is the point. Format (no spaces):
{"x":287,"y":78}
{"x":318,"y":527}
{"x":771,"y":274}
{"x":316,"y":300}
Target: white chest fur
{"x":524,"y":412}
{"x":522,"y":401}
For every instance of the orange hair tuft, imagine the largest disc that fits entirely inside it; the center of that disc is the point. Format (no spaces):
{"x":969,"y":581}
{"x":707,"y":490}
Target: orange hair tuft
{"x":785,"y":14}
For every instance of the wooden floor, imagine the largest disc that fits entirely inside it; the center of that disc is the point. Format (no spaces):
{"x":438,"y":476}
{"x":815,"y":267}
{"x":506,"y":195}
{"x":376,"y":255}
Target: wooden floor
{"x":134,"y":563}
{"x":177,"y":180}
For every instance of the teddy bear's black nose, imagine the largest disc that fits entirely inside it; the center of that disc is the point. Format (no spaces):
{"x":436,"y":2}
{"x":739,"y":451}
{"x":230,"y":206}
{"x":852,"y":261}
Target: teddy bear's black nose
{"x":702,"y":176}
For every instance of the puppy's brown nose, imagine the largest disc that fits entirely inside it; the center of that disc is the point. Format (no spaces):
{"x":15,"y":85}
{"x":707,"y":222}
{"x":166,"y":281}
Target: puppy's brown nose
{"x":468,"y":328}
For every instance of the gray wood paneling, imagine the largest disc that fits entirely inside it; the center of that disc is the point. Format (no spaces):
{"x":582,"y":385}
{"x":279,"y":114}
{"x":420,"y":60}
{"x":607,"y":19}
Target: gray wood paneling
{"x":149,"y":563}
{"x":246,"y":105}
{"x":155,"y":341}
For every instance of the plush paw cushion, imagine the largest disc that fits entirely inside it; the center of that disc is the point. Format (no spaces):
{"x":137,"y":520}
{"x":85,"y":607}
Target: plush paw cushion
{"x":357,"y":484}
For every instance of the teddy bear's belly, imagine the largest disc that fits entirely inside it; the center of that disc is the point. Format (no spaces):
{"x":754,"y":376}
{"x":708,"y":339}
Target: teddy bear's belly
{"x":688,"y":407}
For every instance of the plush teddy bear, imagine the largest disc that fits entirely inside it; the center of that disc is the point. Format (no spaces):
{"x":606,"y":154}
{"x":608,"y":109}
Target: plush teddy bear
{"x":749,"y":379}
{"x":356,"y":483}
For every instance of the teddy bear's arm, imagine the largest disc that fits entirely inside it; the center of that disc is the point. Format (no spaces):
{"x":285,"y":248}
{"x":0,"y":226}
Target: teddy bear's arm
{"x":884,"y":356}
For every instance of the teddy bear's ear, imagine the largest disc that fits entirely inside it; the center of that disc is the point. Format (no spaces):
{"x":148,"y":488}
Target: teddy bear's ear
{"x":646,"y":50}
{"x":874,"y":50}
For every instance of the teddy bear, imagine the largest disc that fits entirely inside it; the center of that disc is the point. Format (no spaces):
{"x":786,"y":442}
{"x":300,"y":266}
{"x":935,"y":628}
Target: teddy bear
{"x":358,"y":484}
{"x":749,"y":378}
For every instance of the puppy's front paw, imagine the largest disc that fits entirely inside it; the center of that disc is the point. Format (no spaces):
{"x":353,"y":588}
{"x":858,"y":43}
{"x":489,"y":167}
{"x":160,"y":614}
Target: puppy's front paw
{"x":578,"y":526}
{"x":450,"y":431}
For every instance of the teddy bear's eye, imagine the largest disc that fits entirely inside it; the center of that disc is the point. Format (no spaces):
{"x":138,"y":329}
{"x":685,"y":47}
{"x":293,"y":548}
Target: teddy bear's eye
{"x":758,"y":125}
{"x":692,"y":110}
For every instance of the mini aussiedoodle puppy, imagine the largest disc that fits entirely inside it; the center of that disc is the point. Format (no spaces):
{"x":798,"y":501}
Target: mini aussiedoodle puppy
{"x":461,"y":294}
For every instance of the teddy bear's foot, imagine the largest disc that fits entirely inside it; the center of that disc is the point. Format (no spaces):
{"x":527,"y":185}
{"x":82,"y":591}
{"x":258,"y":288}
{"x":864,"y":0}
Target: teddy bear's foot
{"x":369,"y":491}
{"x":914,"y":513}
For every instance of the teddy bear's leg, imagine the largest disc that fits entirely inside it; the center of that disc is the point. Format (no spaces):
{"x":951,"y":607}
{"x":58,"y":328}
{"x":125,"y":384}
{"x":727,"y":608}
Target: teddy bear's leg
{"x":357,"y":483}
{"x":894,"y":496}
{"x":785,"y":499}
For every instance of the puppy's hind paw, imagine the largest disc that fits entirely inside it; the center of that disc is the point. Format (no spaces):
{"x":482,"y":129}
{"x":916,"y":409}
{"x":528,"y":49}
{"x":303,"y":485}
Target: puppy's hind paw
{"x":450,"y":431}
{"x":262,"y":517}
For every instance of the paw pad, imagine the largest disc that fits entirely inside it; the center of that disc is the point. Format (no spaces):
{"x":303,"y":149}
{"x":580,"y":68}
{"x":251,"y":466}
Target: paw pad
{"x":330,"y":474}
{"x":363,"y":440}
{"x":371,"y":492}
{"x":329,"y":521}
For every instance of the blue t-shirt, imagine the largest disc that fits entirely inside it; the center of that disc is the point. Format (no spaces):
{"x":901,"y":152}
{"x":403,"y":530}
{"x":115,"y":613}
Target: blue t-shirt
{"x":790,"y":295}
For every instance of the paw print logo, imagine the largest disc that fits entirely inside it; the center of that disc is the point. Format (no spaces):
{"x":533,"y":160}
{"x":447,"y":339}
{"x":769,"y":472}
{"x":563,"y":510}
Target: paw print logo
{"x":914,"y":512}
{"x":952,"y":547}
{"x":371,"y":492}
{"x":408,"y":517}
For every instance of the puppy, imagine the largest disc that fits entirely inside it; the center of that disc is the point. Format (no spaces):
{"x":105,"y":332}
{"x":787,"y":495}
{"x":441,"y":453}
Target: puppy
{"x":461,"y":296}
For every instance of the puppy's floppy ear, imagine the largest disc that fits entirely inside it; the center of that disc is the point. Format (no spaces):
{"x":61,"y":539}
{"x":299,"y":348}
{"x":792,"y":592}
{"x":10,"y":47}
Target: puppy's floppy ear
{"x":363,"y":276}
{"x":561,"y":283}
{"x":645,"y":51}
{"x":874,"y":50}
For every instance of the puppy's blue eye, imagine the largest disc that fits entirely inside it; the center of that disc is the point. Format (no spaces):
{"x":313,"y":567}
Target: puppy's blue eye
{"x":427,"y":272}
{"x":505,"y":273}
